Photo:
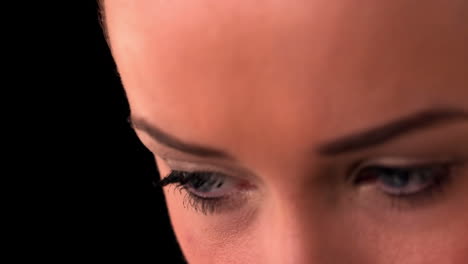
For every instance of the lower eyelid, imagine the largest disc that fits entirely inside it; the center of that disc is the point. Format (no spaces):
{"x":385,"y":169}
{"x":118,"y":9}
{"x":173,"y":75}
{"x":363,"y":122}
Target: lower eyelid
{"x":213,"y":205}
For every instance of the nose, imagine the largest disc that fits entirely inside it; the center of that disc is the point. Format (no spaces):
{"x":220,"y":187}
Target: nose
{"x":292,"y":233}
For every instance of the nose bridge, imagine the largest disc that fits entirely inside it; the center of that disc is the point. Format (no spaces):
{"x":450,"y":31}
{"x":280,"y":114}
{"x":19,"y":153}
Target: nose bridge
{"x":292,"y":232}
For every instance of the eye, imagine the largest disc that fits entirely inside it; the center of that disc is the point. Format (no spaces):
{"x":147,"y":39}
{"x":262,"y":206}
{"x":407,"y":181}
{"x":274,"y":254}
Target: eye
{"x":404,"y":181}
{"x":208,"y":191}
{"x":209,"y":185}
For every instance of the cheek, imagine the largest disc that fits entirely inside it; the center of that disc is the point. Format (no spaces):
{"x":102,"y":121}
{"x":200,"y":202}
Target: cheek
{"x":205,"y":239}
{"x":395,"y":242}
{"x":448,"y":247}
{"x":351,"y":235}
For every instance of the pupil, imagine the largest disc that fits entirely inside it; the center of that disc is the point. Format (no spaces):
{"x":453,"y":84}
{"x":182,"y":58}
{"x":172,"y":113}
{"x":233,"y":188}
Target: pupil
{"x":197,"y":183}
{"x":203,"y":183}
{"x":396,"y":178}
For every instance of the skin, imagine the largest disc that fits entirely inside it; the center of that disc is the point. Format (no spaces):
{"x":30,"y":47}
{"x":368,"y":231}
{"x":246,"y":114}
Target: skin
{"x":269,"y":82}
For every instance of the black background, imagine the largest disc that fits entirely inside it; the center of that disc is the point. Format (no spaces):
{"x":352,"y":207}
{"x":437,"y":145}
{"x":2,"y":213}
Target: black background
{"x":92,"y":195}
{"x":81,"y":182}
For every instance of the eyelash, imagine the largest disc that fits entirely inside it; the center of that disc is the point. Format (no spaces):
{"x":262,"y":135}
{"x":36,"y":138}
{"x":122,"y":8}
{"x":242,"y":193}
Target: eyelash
{"x":205,"y":205}
{"x":200,"y":204}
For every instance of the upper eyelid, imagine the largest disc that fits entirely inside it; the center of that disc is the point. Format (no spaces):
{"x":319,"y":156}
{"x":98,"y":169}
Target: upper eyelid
{"x":224,"y":170}
{"x":350,"y":170}
{"x":192,"y":167}
{"x":395,"y":162}
{"x":405,"y":162}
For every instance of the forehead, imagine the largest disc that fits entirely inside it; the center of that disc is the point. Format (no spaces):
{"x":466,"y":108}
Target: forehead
{"x":214,"y":70}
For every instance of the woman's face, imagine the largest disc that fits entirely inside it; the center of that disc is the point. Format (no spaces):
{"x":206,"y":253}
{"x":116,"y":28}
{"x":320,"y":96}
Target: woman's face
{"x":303,"y":131}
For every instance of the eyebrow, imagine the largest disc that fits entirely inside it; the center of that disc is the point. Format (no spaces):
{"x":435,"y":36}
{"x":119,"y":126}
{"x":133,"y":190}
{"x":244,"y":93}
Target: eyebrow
{"x":351,"y":143}
{"x":175,"y":143}
{"x":384,"y":133}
